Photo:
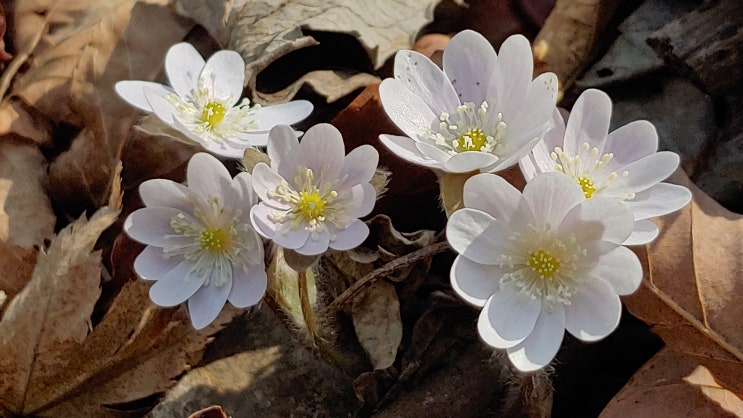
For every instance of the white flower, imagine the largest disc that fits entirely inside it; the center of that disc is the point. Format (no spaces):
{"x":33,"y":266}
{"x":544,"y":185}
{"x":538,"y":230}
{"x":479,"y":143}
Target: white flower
{"x":482,"y":112}
{"x":313,"y":194}
{"x":623,"y":165}
{"x":200,"y":245}
{"x":203,"y":102}
{"x":541,"y":263}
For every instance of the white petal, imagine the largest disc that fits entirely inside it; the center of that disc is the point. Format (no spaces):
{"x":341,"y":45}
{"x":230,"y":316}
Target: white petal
{"x":177,"y":286}
{"x":282,"y":143}
{"x":241,"y":195}
{"x":469,"y":60}
{"x":551,"y":196}
{"x":515,"y":156}
{"x":511,"y":315}
{"x":405,"y":148}
{"x":474,"y":282}
{"x":408,"y":111}
{"x":248,"y":287}
{"x":252,"y":138}
{"x":150,"y":225}
{"x":351,"y":237}
{"x":315,"y":245}
{"x":359,"y":166}
{"x":208,"y":177}
{"x":283,"y":114}
{"x":363,"y":198}
{"x":477,"y":235}
{"x":488,"y":334}
{"x":644,"y":232}
{"x":224,"y":74}
{"x":259,"y":219}
{"x":643,"y":173}
{"x":465,"y":162}
{"x":534,"y":117}
{"x":228,"y":149}
{"x":265,"y":180}
{"x":619,"y":267}
{"x":167,"y":193}
{"x":206,"y":304}
{"x":151,"y":263}
{"x":513,"y":73}
{"x":183,"y":64}
{"x":598,"y":218}
{"x":162,"y":108}
{"x":631,"y":142}
{"x":659,"y":200}
{"x":323,"y":151}
{"x":293,"y":239}
{"x":540,"y":158}
{"x":426,"y":80}
{"x":540,"y":347}
{"x":494,"y":195}
{"x":588,"y":121}
{"x":594,"y":312}
{"x":133,"y":92}
{"x":432,"y":152}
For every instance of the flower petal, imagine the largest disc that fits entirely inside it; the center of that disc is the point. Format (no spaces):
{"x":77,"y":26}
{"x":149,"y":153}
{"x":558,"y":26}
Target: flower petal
{"x":534,"y":117}
{"x":643,"y":173}
{"x":291,"y":238}
{"x":598,"y":218}
{"x":265,"y":180}
{"x":408,"y":111}
{"x":540,"y":158}
{"x":619,"y":267}
{"x":151,"y":263}
{"x":177,"y":286}
{"x":241,"y":195}
{"x":208,"y":177}
{"x":248,"y":287}
{"x":133,"y":92}
{"x":363,"y":198}
{"x":259,"y":219}
{"x":150,"y":225}
{"x":167,"y":193}
{"x":350,"y":237}
{"x":406,"y":149}
{"x":594,"y":312}
{"x":183,"y":64}
{"x":359,"y":166}
{"x":468,"y":62}
{"x":474,"y":282}
{"x":492,"y":194}
{"x":426,"y":80}
{"x":234,"y":148}
{"x":511,"y":315}
{"x":540,"y":347}
{"x":206,"y":304}
{"x":465,"y":162}
{"x":588,"y":121}
{"x":659,"y":200}
{"x":315,"y":245}
{"x":162,"y":108}
{"x":644,"y":232}
{"x":282,"y":143}
{"x":322,"y":150}
{"x":631,"y":142}
{"x":551,"y":196}
{"x":224,"y":74}
{"x":513,"y":73}
{"x":477,"y":235}
{"x":283,"y":114}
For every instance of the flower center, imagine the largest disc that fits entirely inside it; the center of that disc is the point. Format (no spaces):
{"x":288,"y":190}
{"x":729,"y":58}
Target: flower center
{"x":213,"y":113}
{"x":214,"y":240}
{"x":588,"y":169}
{"x":311,"y":204}
{"x":544,"y":264}
{"x":587,"y":185}
{"x":471,"y":128}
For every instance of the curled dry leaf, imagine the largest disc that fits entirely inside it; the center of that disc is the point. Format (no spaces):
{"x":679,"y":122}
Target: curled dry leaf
{"x":692,"y":288}
{"x":331,"y":84}
{"x":377,"y":322}
{"x":263,"y":31}
{"x":72,"y":77}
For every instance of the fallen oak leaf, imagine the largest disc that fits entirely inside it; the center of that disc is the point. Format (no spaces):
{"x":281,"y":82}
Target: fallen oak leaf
{"x":377,"y":322}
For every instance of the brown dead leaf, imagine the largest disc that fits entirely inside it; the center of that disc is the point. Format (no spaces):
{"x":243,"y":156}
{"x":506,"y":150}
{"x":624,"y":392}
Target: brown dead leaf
{"x":17,"y":266}
{"x":26,"y":217}
{"x":71,"y":82}
{"x":263,"y":31}
{"x":377,"y":322}
{"x":330,"y":84}
{"x":693,"y":284}
{"x":672,"y":384}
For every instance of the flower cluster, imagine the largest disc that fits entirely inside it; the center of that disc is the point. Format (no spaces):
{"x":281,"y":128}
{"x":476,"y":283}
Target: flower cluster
{"x":553,"y":258}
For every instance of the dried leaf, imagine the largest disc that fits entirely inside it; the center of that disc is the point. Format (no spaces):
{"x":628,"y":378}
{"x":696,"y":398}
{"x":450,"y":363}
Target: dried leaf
{"x":71,"y":82}
{"x":376,"y":319}
{"x":692,"y":287}
{"x":52,"y":313}
{"x":26,"y":217}
{"x":673,"y":384}
{"x":330,"y":84}
{"x":262,"y":31}
{"x":17,"y":266}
